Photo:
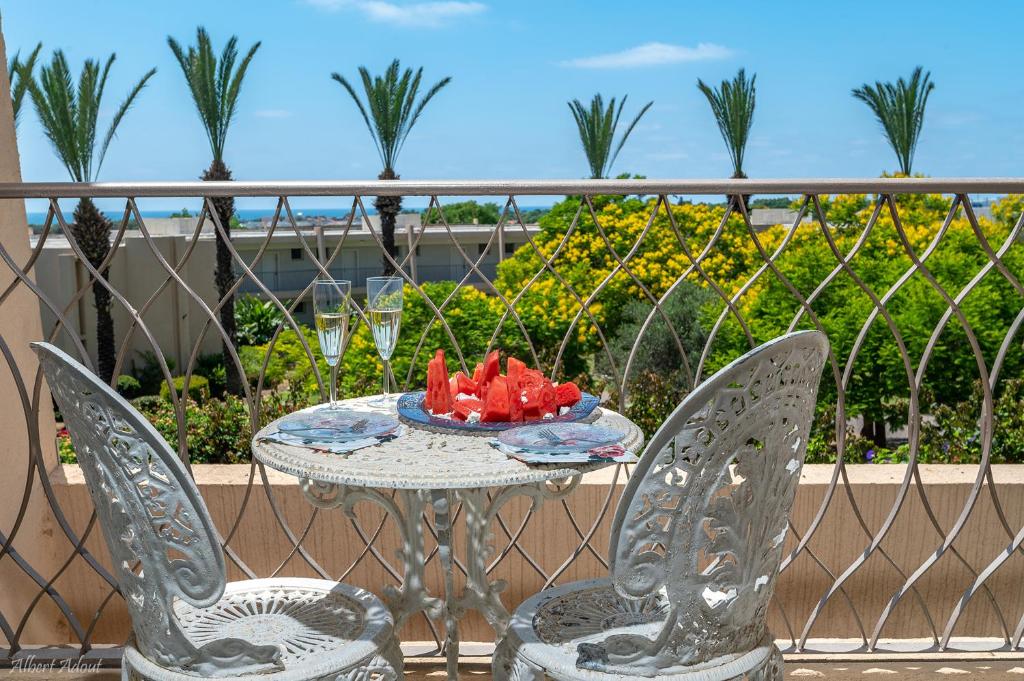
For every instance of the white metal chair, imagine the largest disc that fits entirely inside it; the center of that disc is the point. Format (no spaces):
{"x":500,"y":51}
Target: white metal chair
{"x":186,"y":620}
{"x":696,"y":542}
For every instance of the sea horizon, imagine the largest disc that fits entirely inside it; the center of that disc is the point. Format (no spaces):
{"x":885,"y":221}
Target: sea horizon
{"x":243,"y":214}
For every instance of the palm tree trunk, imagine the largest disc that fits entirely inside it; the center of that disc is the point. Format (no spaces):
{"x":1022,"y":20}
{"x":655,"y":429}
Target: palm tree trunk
{"x":745,"y":198}
{"x":91,"y":231}
{"x":388,"y":207}
{"x":224,"y":276}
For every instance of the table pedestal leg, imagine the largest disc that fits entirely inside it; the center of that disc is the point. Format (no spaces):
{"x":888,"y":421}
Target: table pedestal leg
{"x":411,"y":596}
{"x":441,"y":501}
{"x":480,"y":593}
{"x":407,"y":509}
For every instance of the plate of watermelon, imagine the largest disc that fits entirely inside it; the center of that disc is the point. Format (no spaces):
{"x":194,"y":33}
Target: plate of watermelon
{"x":491,"y":401}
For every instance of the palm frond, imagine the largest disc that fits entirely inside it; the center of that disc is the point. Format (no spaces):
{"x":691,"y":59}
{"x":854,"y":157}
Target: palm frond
{"x":20,"y":74}
{"x":899,"y":108}
{"x":733,"y":106}
{"x":362,"y":110}
{"x":392,"y":106}
{"x":629,"y":129}
{"x":54,"y":99}
{"x":214,"y":83}
{"x":597,"y":126}
{"x":69,"y":114}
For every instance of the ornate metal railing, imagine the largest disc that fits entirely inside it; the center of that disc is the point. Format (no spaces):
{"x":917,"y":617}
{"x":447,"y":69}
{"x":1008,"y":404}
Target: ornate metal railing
{"x":921,"y":317}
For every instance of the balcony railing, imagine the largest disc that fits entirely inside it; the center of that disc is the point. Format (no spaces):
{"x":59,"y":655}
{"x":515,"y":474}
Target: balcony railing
{"x":608,"y":289}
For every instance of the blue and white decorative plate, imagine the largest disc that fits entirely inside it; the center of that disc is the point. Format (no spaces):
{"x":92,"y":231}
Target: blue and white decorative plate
{"x":326,"y":425}
{"x":410,"y":408}
{"x":556,"y":438}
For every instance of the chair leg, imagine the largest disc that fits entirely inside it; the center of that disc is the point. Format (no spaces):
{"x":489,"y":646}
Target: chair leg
{"x":507,"y":665}
{"x":396,"y":661}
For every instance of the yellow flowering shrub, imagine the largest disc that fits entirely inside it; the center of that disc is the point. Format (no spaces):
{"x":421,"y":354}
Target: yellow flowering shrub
{"x":573,"y":291}
{"x":571,"y":309}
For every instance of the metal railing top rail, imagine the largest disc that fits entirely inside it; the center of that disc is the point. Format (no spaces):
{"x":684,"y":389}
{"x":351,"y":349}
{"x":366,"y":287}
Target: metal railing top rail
{"x":699,"y":187}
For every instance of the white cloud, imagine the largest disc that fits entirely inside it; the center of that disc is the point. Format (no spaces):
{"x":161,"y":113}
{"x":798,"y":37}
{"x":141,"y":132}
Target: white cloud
{"x":651,"y":54}
{"x":415,"y":14}
{"x":272,"y":113}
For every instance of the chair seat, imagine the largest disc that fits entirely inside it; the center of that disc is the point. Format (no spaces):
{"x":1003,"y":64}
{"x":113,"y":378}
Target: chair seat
{"x":320,"y":627}
{"x":547,"y":629}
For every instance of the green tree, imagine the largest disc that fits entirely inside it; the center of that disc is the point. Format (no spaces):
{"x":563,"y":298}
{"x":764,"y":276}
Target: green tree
{"x":465,"y":213}
{"x":215,"y":84}
{"x":68,"y":115}
{"x":899,"y":109}
{"x":597,"y":126}
{"x":20,"y":74}
{"x":878,"y":385}
{"x":733,"y":106}
{"x":390,"y":112}
{"x":772,"y":202}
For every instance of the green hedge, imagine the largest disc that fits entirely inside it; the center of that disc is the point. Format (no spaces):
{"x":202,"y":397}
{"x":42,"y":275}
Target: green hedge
{"x":198,"y":388}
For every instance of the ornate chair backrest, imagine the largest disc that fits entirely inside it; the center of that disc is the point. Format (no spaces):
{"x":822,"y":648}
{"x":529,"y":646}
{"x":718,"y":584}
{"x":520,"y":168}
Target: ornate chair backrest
{"x":703,"y":518}
{"x":159,"y":534}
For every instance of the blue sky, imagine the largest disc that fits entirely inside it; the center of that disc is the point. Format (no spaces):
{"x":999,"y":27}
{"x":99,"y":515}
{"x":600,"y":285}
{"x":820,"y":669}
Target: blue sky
{"x":515,"y":64}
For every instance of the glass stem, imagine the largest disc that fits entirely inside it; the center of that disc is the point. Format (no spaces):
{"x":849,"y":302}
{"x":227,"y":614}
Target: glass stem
{"x":387,"y":370}
{"x":334,"y":386}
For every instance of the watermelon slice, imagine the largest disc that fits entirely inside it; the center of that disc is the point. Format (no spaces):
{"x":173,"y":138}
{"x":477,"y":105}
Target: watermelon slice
{"x":461,"y":383}
{"x":492,"y":368}
{"x":548,"y":401}
{"x":539,"y":393}
{"x":496,"y":403}
{"x":567,"y":394}
{"x":463,"y":408}
{"x":515,"y":390}
{"x":438,"y":399}
{"x":524,"y":394}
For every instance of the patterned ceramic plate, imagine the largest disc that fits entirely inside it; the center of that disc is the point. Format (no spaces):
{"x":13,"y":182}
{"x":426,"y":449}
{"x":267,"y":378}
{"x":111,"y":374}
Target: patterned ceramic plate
{"x":559,"y":437}
{"x":336,"y":425}
{"x":410,"y":408}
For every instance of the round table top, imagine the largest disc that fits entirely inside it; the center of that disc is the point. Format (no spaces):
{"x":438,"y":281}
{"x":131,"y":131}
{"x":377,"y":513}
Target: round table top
{"x":424,"y":459}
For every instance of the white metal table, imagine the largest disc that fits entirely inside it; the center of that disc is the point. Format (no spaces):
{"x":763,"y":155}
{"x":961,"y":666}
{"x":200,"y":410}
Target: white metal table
{"x":439,"y":470}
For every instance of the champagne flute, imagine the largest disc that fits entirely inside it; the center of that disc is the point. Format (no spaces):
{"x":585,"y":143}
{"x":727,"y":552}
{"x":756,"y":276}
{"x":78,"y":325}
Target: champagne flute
{"x":331,"y":298}
{"x":384,"y":309}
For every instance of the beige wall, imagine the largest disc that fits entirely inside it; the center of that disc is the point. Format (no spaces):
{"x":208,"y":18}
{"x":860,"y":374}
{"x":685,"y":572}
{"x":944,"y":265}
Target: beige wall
{"x":33,"y":541}
{"x":174,"y":318}
{"x":549,"y":539}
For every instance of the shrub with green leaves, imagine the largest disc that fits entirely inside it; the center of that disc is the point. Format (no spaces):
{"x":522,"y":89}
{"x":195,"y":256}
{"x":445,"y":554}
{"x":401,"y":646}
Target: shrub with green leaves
{"x":255,"y":320}
{"x":217,"y":431}
{"x":128,"y":386}
{"x":198,"y":388}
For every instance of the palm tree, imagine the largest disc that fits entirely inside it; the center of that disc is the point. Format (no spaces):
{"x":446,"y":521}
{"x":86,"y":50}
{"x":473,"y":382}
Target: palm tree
{"x":20,"y":74}
{"x":214,"y":84}
{"x":597,"y":127}
{"x":733,"y":106}
{"x":68,"y":114}
{"x":390,"y":111}
{"x":900,"y":110}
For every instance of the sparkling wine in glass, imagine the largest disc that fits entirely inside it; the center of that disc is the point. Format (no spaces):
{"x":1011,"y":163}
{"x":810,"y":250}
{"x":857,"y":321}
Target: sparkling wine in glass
{"x":331,"y":298}
{"x":384,"y":311}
